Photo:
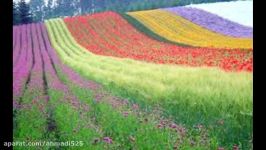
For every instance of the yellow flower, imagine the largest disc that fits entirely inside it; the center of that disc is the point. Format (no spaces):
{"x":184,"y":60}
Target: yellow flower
{"x":178,"y":29}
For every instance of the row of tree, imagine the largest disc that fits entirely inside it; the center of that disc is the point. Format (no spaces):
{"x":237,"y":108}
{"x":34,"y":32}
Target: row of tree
{"x":38,"y":10}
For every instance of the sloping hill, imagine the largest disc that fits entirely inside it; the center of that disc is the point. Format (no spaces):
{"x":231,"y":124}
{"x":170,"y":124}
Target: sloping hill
{"x":98,"y":80}
{"x":178,"y":29}
{"x":182,"y":92}
{"x":237,"y":11}
{"x":110,"y":35}
{"x":213,"y":22}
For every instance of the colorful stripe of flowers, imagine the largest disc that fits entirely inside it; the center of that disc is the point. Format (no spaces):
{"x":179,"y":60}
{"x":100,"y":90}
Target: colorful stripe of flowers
{"x":167,"y":95}
{"x":180,"y":92}
{"x":110,"y":35}
{"x":181,"y":30}
{"x":212,"y":22}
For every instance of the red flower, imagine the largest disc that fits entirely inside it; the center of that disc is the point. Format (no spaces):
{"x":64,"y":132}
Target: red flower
{"x":109,"y":34}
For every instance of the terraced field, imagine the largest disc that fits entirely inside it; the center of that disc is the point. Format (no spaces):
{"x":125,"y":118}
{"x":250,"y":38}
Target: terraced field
{"x":100,"y":80}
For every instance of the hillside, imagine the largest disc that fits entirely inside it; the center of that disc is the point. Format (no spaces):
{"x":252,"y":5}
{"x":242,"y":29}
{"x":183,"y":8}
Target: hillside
{"x":117,"y":81}
{"x":180,"y":30}
{"x":114,"y":36}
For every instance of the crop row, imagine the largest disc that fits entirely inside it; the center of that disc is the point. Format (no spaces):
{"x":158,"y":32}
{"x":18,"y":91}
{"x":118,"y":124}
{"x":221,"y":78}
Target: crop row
{"x":57,"y":104}
{"x":188,"y":95}
{"x":180,"y":30}
{"x":237,"y":11}
{"x":110,"y":35}
{"x":29,"y":99}
{"x":212,"y":22}
{"x":34,"y":109}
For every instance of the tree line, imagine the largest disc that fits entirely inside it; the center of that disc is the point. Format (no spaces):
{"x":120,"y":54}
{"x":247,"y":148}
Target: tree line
{"x":39,"y":10}
{"x":21,"y":13}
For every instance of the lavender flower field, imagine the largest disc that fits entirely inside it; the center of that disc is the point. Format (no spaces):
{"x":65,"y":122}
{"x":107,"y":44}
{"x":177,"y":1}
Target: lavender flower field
{"x":240,"y":11}
{"x":213,"y":22}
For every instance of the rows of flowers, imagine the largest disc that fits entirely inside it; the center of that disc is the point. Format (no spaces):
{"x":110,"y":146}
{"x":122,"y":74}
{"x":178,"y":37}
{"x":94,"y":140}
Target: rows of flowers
{"x":180,"y":92}
{"x":110,"y":35}
{"x":181,"y":30}
{"x":39,"y":93}
{"x":239,"y":11}
{"x":55,"y":102}
{"x":123,"y":111}
{"x":212,"y":22}
{"x":52,"y":107}
{"x":22,"y":61}
{"x":30,"y":104}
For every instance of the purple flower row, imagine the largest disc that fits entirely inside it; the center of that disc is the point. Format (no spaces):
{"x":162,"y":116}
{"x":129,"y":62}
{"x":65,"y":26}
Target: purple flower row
{"x":73,"y":76}
{"x":36,"y":79}
{"x":30,"y":66}
{"x":22,"y":68}
{"x":55,"y":82}
{"x":17,"y":47}
{"x":212,"y":22}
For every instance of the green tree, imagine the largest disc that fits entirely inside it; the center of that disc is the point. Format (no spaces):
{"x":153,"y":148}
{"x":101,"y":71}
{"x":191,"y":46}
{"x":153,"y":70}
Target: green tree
{"x":15,"y":14}
{"x":48,"y":10}
{"x":37,"y":9}
{"x":24,"y":12}
{"x":85,"y":5}
{"x":65,"y":7}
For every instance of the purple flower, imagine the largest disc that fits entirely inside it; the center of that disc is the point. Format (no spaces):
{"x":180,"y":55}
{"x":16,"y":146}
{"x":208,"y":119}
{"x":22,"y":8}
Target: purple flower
{"x":47,"y":98}
{"x":107,"y":140}
{"x":125,"y":114}
{"x":212,"y":22}
{"x":135,"y":106}
{"x":173,"y":126}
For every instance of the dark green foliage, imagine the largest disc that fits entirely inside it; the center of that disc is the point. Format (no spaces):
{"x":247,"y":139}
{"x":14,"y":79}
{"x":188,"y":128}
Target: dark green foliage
{"x":24,"y":13}
{"x":48,"y":10}
{"x":37,"y":8}
{"x":147,"y":31}
{"x":15,"y":14}
{"x":65,"y":8}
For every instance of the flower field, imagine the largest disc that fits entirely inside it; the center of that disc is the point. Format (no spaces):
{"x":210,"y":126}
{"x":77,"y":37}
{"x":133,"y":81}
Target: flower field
{"x":178,"y":29}
{"x":237,"y":11}
{"x":99,"y":80}
{"x":114,"y":36}
{"x":213,"y":22}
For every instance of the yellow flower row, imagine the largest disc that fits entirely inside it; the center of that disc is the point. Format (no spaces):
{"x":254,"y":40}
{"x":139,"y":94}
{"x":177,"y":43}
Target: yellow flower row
{"x":176,"y":28}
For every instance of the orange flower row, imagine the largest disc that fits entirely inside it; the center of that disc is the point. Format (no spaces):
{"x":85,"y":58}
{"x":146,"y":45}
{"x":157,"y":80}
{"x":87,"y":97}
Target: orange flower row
{"x":110,"y":35}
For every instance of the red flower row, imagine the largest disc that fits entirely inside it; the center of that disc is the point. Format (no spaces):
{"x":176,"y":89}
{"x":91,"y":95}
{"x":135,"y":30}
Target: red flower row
{"x":110,"y":35}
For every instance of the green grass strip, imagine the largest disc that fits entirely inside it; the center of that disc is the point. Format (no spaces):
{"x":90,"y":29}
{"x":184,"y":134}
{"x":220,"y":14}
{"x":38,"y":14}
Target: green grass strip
{"x":142,"y":28}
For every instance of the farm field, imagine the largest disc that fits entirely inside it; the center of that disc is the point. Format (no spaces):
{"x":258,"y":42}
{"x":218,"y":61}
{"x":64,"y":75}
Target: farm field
{"x":180,"y":30}
{"x":124,"y":41}
{"x":58,"y":104}
{"x":213,"y":22}
{"x":243,"y":15}
{"x":103,"y":80}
